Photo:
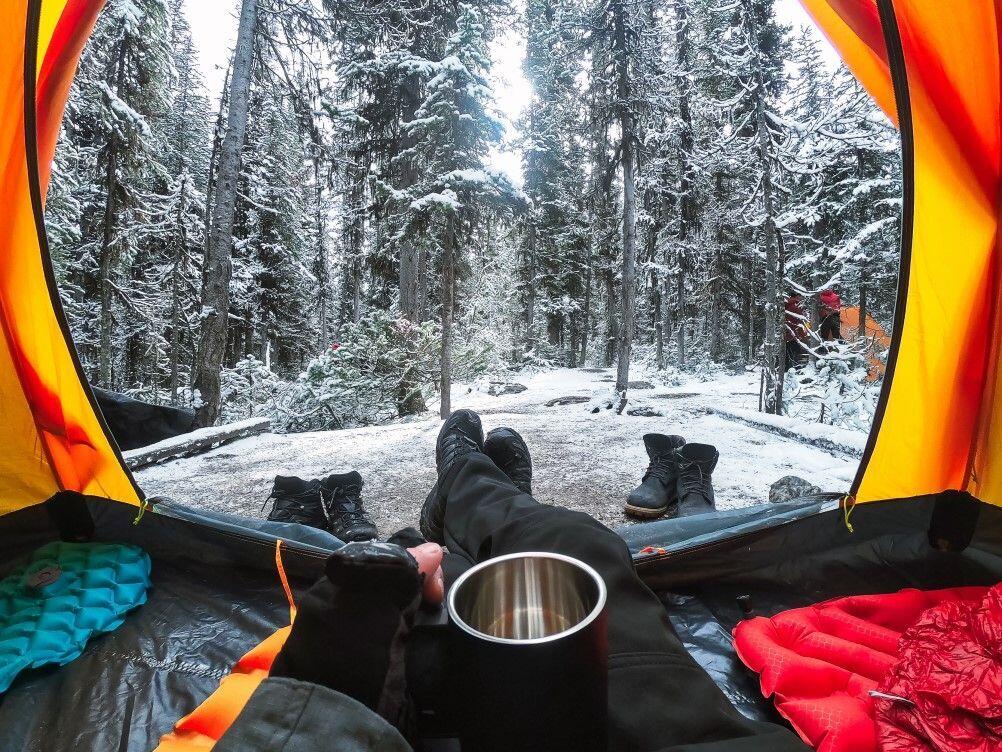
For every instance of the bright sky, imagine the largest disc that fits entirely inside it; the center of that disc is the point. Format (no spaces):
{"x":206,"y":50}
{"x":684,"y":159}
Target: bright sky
{"x":214,"y":28}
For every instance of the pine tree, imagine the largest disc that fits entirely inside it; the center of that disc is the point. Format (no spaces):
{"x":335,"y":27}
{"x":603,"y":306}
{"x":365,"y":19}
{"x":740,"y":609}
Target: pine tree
{"x":555,"y":239}
{"x":451,"y":132}
{"x":217,"y":268}
{"x":114,"y":152}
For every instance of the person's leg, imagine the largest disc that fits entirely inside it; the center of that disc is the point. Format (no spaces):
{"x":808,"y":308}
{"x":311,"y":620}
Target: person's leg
{"x":659,"y":698}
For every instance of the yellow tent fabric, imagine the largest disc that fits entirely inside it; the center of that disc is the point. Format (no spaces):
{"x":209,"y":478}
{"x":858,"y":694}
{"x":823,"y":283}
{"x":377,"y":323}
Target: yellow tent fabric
{"x":51,"y":436}
{"x":937,"y":427}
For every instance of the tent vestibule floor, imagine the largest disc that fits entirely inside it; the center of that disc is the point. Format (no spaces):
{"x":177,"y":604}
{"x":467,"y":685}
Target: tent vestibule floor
{"x":213,"y":596}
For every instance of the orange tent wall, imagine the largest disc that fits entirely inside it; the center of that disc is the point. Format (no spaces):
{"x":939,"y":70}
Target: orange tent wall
{"x":941,"y":405}
{"x":51,"y":436}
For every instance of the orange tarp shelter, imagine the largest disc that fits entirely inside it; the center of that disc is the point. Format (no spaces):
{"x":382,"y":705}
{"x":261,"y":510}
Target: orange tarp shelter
{"x":877,"y":340}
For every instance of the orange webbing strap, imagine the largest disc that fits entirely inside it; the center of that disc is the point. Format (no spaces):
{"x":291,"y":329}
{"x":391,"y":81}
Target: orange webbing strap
{"x":285,"y":580}
{"x":201,"y":729}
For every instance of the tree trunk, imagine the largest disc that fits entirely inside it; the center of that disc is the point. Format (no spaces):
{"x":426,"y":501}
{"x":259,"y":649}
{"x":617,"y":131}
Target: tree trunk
{"x":217,"y":139}
{"x":680,"y":305}
{"x":218,"y":261}
{"x":781,"y":338}
{"x":770,"y":344}
{"x":106,"y":261}
{"x":421,"y":297}
{"x":353,"y":238}
{"x":716,"y":272}
{"x":412,"y":272}
{"x":747,"y":310}
{"x":656,"y":297}
{"x":611,"y":325}
{"x":626,"y":125}
{"x":322,"y":262}
{"x":530,"y":288}
{"x":105,"y":264}
{"x":715,"y":294}
{"x":180,"y":245}
{"x":448,"y":295}
{"x":688,"y":210}
{"x":586,"y":311}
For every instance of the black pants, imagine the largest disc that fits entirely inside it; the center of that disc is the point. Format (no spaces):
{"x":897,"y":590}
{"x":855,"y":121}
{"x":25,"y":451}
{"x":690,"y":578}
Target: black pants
{"x":659,"y":698}
{"x":796,"y":354}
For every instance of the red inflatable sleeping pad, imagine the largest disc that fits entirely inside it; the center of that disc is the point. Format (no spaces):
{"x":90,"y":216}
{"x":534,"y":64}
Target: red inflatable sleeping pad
{"x":821,"y":663}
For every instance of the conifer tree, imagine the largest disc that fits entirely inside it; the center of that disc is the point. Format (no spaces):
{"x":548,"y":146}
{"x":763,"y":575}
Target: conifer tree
{"x":451,"y":132}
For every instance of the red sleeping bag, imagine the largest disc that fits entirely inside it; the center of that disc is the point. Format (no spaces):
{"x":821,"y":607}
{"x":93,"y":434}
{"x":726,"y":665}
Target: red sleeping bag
{"x":821,"y":664}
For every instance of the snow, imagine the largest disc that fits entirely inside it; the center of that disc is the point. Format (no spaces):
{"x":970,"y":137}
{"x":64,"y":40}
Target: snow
{"x":829,"y":437}
{"x":125,"y":113}
{"x":447,"y":200}
{"x":581,"y":460}
{"x":193,"y":437}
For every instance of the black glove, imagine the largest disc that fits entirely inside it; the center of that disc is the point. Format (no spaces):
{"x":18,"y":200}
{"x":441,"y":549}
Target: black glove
{"x":351,"y":626}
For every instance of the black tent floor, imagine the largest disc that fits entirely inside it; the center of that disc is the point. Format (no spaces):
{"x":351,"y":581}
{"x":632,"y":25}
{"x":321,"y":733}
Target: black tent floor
{"x":215,"y":594}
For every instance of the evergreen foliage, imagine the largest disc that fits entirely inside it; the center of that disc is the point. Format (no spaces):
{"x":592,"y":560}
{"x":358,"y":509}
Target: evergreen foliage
{"x":685,"y":166}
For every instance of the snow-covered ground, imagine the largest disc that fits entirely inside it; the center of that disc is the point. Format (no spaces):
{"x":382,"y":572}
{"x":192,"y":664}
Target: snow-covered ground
{"x":581,"y":460}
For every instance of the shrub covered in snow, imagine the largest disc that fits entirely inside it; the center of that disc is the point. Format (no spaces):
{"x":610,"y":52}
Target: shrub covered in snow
{"x":835,"y":388}
{"x":249,"y":389}
{"x":381,"y":369}
{"x":384,"y":367}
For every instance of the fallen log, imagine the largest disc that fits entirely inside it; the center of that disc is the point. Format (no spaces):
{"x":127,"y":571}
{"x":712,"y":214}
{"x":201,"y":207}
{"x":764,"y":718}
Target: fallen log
{"x":195,"y":442}
{"x":830,"y":438}
{"x":574,"y":399}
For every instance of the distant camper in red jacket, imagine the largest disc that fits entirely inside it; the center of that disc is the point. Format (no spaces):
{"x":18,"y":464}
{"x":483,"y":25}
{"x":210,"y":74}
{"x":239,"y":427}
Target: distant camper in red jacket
{"x":795,"y":332}
{"x":831,"y":320}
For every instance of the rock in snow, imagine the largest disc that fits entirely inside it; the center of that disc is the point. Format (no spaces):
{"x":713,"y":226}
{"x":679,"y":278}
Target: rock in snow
{"x":790,"y":487}
{"x":497,"y":388}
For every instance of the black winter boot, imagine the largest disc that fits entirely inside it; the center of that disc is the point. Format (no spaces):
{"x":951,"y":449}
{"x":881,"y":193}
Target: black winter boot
{"x":695,"y":489}
{"x":508,"y":450}
{"x":343,"y":504}
{"x":461,"y":435}
{"x":656,"y":495}
{"x":297,"y":500}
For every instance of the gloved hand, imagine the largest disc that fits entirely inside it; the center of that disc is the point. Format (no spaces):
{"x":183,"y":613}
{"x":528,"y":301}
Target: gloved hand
{"x":351,"y":626}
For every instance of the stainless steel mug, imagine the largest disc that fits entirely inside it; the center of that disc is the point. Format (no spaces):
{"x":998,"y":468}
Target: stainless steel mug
{"x":530,"y":655}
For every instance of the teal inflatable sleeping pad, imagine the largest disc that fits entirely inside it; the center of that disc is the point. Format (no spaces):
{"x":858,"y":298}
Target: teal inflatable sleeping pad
{"x":65,"y":594}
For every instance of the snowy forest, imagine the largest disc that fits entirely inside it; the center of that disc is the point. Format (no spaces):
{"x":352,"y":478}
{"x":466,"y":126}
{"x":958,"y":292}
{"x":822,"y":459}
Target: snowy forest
{"x":328,"y":242}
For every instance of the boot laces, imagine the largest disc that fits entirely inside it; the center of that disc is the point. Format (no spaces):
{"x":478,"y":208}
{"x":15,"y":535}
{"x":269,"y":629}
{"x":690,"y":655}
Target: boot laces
{"x":344,"y":502}
{"x":691,"y":479}
{"x":661,"y":467}
{"x":457,"y":445}
{"x":518,"y":468}
{"x":301,"y":500}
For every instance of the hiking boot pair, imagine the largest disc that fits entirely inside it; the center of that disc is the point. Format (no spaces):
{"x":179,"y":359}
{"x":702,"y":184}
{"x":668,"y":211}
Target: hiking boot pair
{"x":461,"y":435}
{"x":333,"y":503}
{"x":677,"y":481}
